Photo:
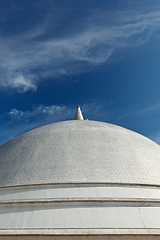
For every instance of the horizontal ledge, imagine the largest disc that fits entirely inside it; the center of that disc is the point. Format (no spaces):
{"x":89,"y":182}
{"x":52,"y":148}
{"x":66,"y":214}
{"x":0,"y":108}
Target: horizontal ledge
{"x":81,"y":231}
{"x":87,"y":201}
{"x":75,"y":184}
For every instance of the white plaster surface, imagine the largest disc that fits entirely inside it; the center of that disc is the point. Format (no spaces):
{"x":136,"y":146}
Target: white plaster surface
{"x":80,"y":180}
{"x":32,"y":216}
{"x":73,"y":210}
{"x":81,"y":191}
{"x":79,"y":152}
{"x":71,"y":217}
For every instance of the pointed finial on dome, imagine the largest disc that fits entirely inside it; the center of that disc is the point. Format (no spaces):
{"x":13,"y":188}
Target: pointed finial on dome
{"x":78,"y":115}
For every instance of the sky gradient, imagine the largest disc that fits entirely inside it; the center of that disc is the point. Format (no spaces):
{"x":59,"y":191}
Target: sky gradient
{"x":102,"y":55}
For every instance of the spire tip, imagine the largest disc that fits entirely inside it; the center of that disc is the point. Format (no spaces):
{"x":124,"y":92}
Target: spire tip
{"x":78,"y":115}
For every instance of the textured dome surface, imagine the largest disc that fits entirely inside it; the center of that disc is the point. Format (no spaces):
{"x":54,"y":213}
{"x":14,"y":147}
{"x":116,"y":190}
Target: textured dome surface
{"x":79,"y":152}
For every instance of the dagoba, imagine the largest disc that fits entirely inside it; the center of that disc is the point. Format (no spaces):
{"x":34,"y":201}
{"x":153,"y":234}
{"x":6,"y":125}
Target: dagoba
{"x":80,"y":179}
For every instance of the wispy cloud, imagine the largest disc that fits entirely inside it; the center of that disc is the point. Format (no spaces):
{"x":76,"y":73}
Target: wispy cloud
{"x":54,"y":113}
{"x":139,"y":111}
{"x":142,"y":119}
{"x":35,"y":55}
{"x":16,"y":121}
{"x":42,"y":114}
{"x":16,"y":113}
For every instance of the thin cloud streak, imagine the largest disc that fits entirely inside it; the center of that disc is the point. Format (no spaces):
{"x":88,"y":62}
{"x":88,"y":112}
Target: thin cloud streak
{"x":56,"y":112}
{"x":131,"y":113}
{"x":24,"y":121}
{"x":40,"y":115}
{"x":25,"y":61}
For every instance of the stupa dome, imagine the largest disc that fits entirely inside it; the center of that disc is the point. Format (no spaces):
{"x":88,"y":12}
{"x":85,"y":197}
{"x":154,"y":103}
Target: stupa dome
{"x":80,"y":180}
{"x":80,"y":152}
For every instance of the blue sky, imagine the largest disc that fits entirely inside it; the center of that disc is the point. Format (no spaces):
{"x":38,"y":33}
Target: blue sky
{"x":102,"y":55}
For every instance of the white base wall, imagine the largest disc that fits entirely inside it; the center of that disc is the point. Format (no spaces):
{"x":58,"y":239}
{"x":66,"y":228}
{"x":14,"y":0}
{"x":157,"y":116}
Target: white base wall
{"x":80,"y":212}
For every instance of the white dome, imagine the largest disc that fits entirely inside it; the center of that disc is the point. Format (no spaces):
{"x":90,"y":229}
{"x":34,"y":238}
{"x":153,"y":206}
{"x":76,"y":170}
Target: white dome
{"x":80,"y":179}
{"x":79,"y":152}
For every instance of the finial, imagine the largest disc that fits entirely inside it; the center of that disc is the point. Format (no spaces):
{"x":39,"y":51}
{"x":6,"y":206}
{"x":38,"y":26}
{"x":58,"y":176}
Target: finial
{"x":78,"y":115}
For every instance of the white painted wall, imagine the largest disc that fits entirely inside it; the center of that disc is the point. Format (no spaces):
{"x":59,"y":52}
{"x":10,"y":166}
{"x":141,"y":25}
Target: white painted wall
{"x":80,"y":191}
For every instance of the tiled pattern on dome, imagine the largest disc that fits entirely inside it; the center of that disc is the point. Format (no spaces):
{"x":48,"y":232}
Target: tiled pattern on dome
{"x":79,"y":152}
